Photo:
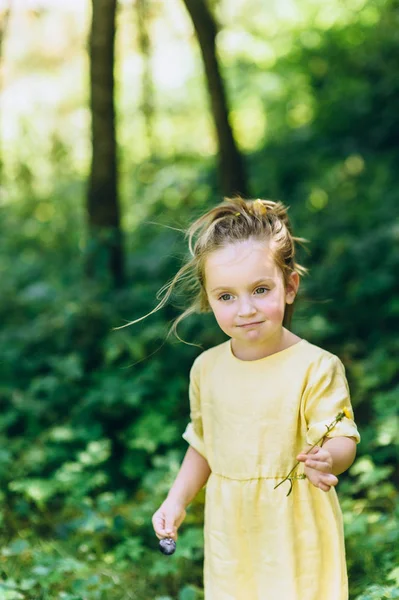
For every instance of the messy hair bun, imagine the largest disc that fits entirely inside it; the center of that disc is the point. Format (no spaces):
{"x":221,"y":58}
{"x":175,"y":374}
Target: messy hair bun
{"x":232,"y":221}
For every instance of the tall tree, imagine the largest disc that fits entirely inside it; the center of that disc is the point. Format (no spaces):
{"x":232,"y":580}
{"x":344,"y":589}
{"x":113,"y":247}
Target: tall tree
{"x":105,"y":253}
{"x":147,"y":95}
{"x":231,"y":168}
{"x":4,"y":20}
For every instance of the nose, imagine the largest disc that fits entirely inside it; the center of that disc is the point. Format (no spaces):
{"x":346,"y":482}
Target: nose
{"x":246,"y":308}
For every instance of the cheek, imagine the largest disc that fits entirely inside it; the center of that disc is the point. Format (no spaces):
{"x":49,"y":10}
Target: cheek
{"x":274,"y":309}
{"x":222,"y":312}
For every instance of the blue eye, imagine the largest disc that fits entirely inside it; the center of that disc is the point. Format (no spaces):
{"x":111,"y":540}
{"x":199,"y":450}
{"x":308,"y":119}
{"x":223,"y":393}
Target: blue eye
{"x":261,"y":290}
{"x":225,"y":297}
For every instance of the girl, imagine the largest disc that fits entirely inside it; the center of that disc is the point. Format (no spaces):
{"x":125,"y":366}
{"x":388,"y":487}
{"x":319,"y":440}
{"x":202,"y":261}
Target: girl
{"x":260,"y":401}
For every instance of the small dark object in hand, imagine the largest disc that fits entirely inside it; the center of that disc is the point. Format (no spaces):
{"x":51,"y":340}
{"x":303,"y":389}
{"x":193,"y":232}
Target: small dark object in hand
{"x":167,"y":546}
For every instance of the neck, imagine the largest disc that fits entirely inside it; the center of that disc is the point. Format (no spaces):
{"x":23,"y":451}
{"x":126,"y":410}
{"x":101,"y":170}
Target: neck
{"x":283,"y":340}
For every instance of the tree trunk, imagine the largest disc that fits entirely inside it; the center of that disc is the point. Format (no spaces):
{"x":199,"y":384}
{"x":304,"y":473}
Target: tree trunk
{"x":231,"y":168}
{"x":4,"y":20}
{"x":147,"y":96}
{"x":105,"y":254}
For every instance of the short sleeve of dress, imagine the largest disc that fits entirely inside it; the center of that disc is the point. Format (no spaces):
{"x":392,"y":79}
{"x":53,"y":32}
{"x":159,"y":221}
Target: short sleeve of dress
{"x":194,"y":433}
{"x":326,"y":396}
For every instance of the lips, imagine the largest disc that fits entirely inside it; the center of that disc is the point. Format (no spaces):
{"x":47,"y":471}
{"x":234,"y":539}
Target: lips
{"x":251,"y":324}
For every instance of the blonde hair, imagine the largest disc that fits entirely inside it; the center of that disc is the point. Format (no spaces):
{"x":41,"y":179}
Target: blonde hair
{"x":232,"y":221}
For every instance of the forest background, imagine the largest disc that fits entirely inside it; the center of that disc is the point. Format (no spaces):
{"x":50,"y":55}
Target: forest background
{"x":119,"y":124}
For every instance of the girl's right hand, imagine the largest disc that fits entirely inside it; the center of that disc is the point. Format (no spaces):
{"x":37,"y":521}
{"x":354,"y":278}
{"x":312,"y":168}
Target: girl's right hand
{"x":168,"y":518}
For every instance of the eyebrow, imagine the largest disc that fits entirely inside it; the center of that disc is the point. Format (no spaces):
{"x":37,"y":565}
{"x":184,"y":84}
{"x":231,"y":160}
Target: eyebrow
{"x":254,"y":284}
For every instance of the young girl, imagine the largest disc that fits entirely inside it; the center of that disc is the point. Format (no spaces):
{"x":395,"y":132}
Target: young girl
{"x":259,"y":402}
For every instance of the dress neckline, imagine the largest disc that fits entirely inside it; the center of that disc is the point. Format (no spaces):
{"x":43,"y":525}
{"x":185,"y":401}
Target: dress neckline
{"x":278,"y":354}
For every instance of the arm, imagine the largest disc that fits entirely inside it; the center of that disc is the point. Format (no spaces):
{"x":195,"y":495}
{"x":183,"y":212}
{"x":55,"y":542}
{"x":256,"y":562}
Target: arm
{"x":342,"y":451}
{"x":194,"y":473}
{"x":192,"y":477}
{"x":322,"y":464}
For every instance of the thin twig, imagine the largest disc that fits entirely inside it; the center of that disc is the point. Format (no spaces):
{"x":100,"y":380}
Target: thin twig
{"x":288,"y":477}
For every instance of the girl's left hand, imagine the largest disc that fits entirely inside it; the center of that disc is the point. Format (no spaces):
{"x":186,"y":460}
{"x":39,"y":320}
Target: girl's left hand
{"x":318,"y":468}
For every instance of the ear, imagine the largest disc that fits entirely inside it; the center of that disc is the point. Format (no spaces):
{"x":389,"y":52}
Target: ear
{"x":291,"y":288}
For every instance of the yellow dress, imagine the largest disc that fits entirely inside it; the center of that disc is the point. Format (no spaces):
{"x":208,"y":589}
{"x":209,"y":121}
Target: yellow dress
{"x":250,"y":419}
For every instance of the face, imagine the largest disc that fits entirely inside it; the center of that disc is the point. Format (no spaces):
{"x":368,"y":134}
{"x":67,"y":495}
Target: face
{"x":246,"y":292}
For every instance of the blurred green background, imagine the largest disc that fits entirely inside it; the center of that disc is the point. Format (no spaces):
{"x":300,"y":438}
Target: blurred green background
{"x":92,"y":210}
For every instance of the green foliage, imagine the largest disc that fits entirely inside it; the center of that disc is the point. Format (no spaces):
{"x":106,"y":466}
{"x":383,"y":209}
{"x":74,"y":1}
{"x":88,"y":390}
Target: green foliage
{"x":379,"y":592}
{"x":91,"y":419}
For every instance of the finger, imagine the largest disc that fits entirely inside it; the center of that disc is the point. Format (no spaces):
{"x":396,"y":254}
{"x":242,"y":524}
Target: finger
{"x":170,"y":528}
{"x":329,"y":479}
{"x":323,"y":486}
{"x":322,"y":456}
{"x":158,"y":523}
{"x":324,"y":467}
{"x":325,"y":480}
{"x":306,"y":453}
{"x":314,"y":450}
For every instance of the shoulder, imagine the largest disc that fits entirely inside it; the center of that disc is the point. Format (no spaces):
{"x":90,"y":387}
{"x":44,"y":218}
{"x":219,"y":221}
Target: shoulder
{"x":207,"y":360}
{"x":317,"y":354}
{"x":320,"y":361}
